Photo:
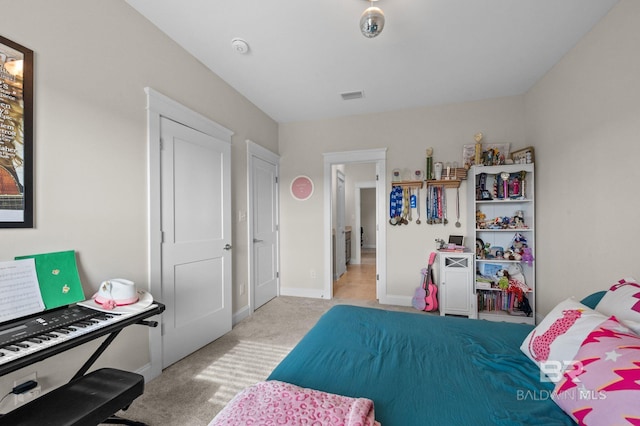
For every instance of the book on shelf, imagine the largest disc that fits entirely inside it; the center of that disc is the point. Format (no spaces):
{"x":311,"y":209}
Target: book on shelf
{"x":498,"y":301}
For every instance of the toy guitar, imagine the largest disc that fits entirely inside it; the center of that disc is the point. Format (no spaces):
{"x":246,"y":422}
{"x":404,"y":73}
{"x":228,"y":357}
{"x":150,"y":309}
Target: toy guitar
{"x":431,"y":299}
{"x":425,"y":298}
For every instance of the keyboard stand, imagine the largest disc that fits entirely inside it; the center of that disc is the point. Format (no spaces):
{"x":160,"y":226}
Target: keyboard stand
{"x":103,"y":346}
{"x":89,"y":398}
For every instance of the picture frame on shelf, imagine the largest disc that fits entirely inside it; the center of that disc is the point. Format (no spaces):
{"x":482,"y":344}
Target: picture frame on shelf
{"x":523,"y":156}
{"x":16,"y":139}
{"x":493,"y":154}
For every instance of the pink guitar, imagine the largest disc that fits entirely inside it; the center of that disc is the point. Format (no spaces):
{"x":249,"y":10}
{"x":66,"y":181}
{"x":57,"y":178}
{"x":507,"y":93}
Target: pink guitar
{"x":425,"y":298}
{"x":431,"y":299}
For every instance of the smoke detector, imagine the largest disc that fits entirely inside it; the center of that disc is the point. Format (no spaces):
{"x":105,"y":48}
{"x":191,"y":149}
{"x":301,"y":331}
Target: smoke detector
{"x":239,"y":45}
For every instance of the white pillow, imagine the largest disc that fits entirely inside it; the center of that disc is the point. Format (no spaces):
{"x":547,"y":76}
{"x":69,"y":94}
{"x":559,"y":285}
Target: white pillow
{"x":622,"y":300}
{"x":556,"y":340}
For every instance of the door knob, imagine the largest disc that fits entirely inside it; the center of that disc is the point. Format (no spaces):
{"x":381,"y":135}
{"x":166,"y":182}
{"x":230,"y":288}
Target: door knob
{"x":227,"y":247}
{"x":255,"y":240}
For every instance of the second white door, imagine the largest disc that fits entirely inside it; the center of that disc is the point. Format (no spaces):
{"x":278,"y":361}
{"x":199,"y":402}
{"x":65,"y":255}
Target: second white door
{"x":265,"y":231}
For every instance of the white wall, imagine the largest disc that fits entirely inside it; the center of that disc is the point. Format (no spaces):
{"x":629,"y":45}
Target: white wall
{"x":92,"y":62}
{"x":407,"y":134}
{"x":583,"y":118}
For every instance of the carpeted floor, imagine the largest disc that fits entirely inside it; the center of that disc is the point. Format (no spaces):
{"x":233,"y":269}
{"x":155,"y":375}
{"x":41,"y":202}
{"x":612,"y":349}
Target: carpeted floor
{"x":192,"y":391}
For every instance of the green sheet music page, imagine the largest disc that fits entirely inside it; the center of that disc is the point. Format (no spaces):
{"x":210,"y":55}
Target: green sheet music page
{"x":58,"y":278}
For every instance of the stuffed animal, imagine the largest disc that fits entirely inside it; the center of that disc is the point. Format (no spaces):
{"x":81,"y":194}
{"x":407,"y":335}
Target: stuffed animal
{"x":527,"y":256}
{"x":503,"y":281}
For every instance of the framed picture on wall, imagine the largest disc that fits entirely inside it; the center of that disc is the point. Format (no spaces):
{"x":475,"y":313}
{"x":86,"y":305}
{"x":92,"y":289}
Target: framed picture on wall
{"x":16,"y":135}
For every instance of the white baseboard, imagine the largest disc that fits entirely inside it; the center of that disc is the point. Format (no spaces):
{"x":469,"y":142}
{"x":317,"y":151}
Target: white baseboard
{"x":302,"y":292}
{"x":243,"y":313}
{"x":145,"y":371}
{"x":396,"y":300}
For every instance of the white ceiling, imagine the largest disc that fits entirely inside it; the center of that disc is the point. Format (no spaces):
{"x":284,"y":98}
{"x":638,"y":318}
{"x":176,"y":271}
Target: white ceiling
{"x":304,"y":54}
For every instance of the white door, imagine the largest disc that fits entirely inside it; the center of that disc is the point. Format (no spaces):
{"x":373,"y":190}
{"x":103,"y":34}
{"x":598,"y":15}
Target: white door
{"x":265,"y":230}
{"x":340,"y":254}
{"x":196,"y":233}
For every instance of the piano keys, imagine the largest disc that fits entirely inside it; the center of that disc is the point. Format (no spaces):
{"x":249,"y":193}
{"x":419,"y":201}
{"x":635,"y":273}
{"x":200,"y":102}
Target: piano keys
{"x":29,"y":340}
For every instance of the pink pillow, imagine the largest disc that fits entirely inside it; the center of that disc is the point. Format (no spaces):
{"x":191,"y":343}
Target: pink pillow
{"x":602,"y":387}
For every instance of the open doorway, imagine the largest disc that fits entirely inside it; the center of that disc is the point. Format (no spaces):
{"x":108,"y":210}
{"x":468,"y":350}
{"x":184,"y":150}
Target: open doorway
{"x":359,"y":280}
{"x":362,"y":170}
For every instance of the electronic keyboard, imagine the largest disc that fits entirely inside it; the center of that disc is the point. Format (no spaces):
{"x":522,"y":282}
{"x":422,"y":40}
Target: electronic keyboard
{"x":32,"y":339}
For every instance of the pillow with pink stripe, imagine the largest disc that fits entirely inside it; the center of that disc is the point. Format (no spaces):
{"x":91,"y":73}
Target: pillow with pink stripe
{"x":622,"y":300}
{"x":602,"y":387}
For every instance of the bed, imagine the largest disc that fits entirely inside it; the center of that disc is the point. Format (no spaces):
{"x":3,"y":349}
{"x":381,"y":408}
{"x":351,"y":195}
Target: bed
{"x":421,"y":369}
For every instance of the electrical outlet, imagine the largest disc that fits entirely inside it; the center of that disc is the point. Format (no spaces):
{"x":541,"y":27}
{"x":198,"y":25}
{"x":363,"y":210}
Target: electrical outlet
{"x":312,"y":273}
{"x":27,"y":396}
{"x":243,"y":288}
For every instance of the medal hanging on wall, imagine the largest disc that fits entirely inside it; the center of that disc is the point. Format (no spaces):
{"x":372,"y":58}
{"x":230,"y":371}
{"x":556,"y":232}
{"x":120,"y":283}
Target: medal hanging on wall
{"x":436,"y":205}
{"x":395,"y":205}
{"x":427,"y":200}
{"x":405,"y":206}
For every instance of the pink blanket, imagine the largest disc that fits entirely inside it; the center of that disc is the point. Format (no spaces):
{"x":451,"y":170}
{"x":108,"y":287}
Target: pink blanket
{"x":279,"y":403}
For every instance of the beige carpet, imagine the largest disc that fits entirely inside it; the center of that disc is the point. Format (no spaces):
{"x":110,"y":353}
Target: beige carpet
{"x":192,"y":391}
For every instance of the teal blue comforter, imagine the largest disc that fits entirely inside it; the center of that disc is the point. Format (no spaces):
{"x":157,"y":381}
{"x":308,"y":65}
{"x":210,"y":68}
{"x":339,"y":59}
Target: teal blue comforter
{"x":424,"y":369}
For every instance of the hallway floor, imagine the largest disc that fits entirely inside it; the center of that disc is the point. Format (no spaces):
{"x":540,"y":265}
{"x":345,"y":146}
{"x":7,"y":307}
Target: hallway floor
{"x":359,"y":282}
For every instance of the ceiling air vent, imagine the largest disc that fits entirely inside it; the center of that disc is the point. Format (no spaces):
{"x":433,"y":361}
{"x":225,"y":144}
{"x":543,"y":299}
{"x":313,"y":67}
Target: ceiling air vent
{"x":347,"y":96}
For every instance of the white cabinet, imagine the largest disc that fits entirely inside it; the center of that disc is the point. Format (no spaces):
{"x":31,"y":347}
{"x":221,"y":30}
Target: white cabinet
{"x":456,"y":279}
{"x":502,"y":202}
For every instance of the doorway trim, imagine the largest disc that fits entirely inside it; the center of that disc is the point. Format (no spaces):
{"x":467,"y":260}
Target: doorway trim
{"x":159,"y":105}
{"x":379,"y":157}
{"x":255,"y":150}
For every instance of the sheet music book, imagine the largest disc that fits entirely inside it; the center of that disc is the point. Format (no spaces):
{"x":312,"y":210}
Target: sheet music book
{"x":58,"y":278}
{"x":19,"y":290}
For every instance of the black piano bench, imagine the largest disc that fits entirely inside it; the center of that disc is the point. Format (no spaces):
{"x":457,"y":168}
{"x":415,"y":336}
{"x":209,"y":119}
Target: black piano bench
{"x":88,"y":401}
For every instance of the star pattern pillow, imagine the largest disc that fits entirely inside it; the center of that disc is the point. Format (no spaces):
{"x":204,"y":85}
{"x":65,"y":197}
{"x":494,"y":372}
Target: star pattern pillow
{"x":602,"y":387}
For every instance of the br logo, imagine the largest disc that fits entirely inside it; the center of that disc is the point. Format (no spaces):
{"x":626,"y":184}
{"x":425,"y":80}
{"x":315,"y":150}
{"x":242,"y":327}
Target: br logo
{"x":552,"y":371}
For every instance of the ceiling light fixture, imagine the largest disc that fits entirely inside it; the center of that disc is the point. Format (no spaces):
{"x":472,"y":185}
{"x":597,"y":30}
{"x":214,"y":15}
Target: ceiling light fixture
{"x":372,"y":21}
